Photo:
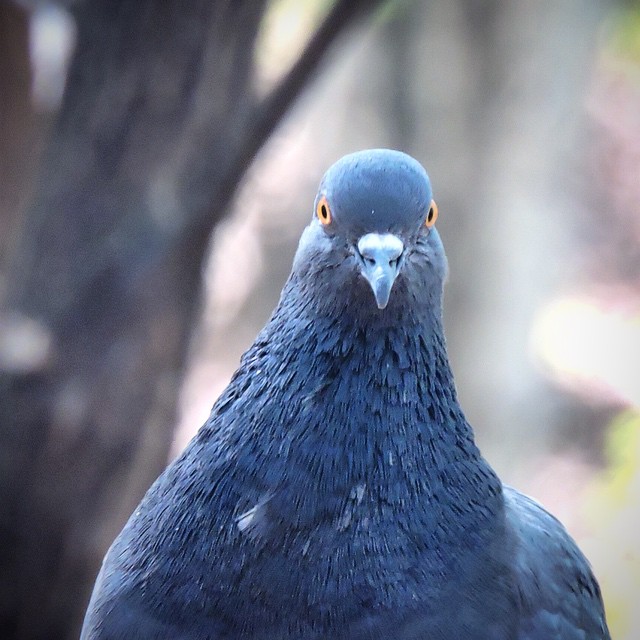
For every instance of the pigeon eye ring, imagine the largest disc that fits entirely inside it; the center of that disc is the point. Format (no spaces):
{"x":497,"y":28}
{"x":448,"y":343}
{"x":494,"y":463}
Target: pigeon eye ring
{"x":432,"y":216}
{"x":323,"y":211}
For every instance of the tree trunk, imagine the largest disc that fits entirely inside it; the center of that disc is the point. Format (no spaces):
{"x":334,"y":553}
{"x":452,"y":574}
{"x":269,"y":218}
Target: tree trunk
{"x":19,"y":125}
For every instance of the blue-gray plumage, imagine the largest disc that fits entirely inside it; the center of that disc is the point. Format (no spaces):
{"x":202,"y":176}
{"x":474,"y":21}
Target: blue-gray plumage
{"x":336,"y":490}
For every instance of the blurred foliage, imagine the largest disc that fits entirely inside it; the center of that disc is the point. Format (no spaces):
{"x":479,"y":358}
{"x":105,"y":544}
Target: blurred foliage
{"x":625,"y":33}
{"x":612,"y":508}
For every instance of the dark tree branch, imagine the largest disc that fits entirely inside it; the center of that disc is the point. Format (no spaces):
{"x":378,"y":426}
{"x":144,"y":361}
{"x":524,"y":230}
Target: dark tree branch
{"x":275,"y":105}
{"x":269,"y":112}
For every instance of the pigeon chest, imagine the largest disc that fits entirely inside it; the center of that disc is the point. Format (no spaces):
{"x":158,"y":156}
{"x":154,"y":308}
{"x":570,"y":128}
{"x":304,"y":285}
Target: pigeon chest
{"x":368,"y":568}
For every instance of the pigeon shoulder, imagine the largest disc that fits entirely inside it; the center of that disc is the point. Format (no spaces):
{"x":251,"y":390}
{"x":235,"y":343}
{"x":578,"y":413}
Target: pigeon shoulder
{"x":556,"y":591}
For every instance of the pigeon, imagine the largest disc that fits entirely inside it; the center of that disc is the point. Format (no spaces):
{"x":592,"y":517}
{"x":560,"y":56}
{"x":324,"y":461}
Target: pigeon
{"x":336,"y":490}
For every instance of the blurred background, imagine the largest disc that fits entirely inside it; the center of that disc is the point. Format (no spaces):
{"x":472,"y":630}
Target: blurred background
{"x":158,"y":161}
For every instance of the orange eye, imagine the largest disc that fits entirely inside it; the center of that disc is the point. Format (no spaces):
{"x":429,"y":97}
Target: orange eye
{"x":323,"y":211}
{"x":432,"y":216}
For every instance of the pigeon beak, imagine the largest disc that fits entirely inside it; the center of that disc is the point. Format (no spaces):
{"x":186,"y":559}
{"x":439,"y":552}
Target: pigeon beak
{"x":380,"y":255}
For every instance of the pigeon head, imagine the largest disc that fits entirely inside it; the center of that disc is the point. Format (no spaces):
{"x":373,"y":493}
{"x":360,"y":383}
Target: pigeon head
{"x":373,"y":224}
